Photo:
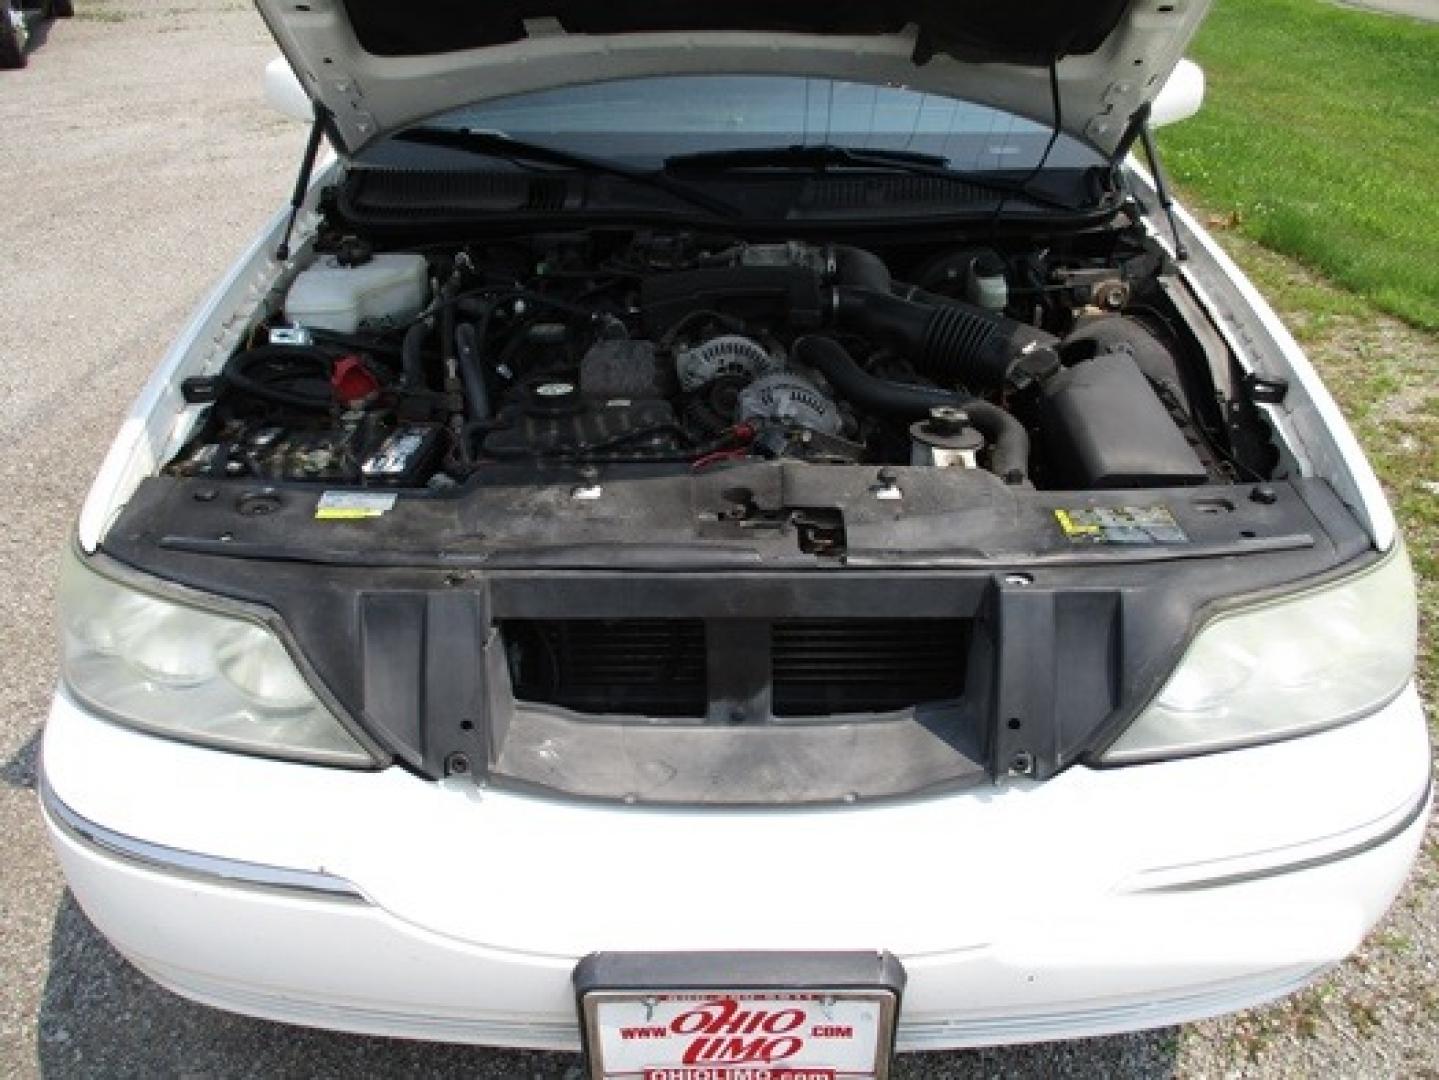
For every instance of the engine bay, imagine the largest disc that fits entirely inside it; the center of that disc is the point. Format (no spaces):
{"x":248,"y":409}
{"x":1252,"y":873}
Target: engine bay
{"x":581,"y":489}
{"x":1064,"y":363}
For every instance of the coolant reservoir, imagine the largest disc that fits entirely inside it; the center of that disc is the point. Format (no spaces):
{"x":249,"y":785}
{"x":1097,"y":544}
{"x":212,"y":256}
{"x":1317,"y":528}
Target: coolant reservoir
{"x":387,"y":289}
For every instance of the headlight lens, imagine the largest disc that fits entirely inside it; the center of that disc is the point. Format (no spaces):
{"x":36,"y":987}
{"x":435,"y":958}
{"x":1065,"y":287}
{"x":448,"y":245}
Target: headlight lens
{"x":1285,"y":668}
{"x":199,"y":675}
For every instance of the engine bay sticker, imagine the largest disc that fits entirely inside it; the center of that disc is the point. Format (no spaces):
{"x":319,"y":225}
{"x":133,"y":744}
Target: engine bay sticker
{"x":353,"y":505}
{"x":1121,"y":525}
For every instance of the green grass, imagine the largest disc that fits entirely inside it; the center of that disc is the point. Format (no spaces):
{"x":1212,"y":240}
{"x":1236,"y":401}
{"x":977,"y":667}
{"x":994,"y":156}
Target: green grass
{"x":1319,"y":138}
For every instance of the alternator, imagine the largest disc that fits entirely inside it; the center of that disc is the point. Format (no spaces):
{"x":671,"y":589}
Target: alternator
{"x":788,"y":399}
{"x":729,"y":354}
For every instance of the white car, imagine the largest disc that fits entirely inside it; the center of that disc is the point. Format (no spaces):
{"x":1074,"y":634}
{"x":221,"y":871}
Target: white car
{"x":740,"y":539}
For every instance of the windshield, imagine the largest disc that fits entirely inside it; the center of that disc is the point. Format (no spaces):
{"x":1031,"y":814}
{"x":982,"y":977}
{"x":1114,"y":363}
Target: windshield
{"x":642,"y":121}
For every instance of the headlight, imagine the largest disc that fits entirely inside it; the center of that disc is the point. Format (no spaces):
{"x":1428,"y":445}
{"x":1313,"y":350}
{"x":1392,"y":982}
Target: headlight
{"x":189,"y":673}
{"x":1285,"y":668}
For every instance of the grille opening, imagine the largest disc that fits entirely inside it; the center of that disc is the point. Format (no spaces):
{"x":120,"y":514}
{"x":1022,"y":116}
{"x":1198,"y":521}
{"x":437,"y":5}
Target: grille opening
{"x":661,"y":667}
{"x":650,"y":667}
{"x":823,"y":666}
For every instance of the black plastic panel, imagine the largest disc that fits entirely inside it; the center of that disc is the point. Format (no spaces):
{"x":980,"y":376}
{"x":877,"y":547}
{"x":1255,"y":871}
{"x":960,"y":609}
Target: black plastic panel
{"x":400,"y":616}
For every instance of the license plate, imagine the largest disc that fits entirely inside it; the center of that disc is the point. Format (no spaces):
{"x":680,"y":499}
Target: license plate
{"x":757,"y":1030}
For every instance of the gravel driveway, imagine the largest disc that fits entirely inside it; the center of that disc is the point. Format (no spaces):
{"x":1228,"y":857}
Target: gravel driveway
{"x":138,"y":160}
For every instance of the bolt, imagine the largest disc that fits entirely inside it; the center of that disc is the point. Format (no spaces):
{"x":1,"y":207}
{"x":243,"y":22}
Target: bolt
{"x":1022,"y":764}
{"x":589,"y":485}
{"x":457,"y":765}
{"x":1264,"y":495}
{"x":888,"y":486}
{"x":1019,"y":581}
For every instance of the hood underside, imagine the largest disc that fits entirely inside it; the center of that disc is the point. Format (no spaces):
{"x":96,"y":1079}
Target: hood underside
{"x":377,"y":66}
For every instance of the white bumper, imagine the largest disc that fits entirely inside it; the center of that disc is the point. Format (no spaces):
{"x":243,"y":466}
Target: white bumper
{"x":1100,"y":901}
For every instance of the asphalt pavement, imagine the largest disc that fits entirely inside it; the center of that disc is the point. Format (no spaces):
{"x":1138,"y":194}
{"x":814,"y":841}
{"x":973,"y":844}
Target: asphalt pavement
{"x":1427,"y":10}
{"x":137,"y":161}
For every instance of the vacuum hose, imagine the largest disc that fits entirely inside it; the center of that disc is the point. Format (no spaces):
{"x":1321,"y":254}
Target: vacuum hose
{"x":297,"y":376}
{"x":1009,"y":442}
{"x":412,"y":356}
{"x":472,"y":371}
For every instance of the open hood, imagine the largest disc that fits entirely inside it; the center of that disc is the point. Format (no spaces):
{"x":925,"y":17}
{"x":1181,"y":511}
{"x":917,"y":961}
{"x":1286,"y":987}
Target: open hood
{"x":377,"y":66}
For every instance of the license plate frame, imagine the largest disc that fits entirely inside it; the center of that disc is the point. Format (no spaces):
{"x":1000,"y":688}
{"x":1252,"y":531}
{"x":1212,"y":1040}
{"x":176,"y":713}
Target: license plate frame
{"x":734,"y":998}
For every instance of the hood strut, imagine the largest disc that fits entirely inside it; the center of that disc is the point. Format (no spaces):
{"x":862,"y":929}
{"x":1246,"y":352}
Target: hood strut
{"x":302,"y":181}
{"x":1161,"y":187}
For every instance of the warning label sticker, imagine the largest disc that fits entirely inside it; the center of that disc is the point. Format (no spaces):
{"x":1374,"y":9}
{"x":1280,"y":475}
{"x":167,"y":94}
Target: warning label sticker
{"x":1121,"y":525}
{"x":353,"y":505}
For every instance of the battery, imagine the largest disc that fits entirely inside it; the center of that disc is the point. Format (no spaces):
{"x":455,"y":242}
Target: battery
{"x":403,"y":457}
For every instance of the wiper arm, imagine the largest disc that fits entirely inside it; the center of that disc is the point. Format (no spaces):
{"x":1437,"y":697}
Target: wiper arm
{"x":818,"y":156}
{"x":494,"y":144}
{"x":825,"y":156}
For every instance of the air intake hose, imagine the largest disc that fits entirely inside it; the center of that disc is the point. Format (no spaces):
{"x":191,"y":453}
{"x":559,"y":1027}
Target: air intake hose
{"x":1009,"y":442}
{"x":951,"y":341}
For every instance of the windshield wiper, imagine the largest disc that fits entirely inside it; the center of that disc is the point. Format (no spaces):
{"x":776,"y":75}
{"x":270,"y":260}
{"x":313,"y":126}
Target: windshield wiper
{"x":817,"y":156}
{"x":494,"y":144}
{"x":824,"y":156}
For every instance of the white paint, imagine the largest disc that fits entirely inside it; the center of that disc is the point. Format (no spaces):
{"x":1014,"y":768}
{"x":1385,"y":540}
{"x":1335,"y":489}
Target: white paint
{"x":1027,"y":910}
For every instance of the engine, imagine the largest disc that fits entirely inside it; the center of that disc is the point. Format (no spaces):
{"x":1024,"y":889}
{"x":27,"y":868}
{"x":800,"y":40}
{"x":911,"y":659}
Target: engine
{"x":412,"y":369}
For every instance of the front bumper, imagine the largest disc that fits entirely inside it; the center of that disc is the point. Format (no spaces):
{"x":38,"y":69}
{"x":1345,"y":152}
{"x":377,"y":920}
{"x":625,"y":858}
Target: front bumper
{"x":1096,"y":902}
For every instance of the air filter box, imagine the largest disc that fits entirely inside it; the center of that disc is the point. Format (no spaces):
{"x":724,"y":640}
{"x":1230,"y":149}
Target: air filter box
{"x":1105,"y":427}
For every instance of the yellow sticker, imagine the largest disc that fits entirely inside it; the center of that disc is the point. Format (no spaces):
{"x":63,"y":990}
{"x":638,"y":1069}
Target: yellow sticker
{"x":353,"y":505}
{"x":345,"y":515}
{"x":1121,"y":525}
{"x":1072,"y":527}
